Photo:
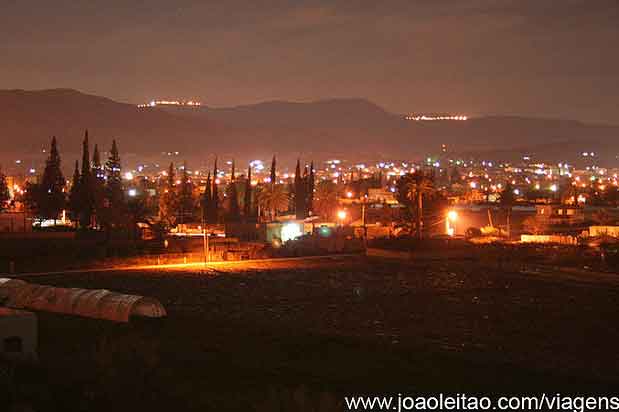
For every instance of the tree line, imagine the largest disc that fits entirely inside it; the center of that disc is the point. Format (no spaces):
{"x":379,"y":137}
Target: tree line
{"x":97,"y":199}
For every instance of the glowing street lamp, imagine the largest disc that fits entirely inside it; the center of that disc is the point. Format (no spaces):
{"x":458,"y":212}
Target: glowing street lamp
{"x":452,"y":215}
{"x":341,"y":215}
{"x":450,"y":223}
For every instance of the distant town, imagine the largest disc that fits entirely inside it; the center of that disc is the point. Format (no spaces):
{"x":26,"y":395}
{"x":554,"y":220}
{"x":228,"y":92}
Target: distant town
{"x":529,"y":200}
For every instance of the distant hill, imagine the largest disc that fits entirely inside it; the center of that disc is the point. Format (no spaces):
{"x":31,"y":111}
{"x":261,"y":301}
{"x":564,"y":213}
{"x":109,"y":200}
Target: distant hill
{"x":349,"y":128}
{"x":29,"y":118}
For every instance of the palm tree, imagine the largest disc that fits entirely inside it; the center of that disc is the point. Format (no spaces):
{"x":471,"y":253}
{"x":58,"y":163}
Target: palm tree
{"x":273,"y":198}
{"x":325,"y":202}
{"x":419,"y":186}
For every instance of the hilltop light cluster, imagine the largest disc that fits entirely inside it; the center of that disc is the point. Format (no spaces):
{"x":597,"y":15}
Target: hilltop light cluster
{"x":429,"y":117}
{"x":155,"y":103}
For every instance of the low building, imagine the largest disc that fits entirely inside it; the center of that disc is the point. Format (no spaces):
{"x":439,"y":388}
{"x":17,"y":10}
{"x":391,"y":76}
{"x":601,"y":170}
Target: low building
{"x":560,"y":214}
{"x":381,"y":196}
{"x":596,"y":231}
{"x":268,"y":232}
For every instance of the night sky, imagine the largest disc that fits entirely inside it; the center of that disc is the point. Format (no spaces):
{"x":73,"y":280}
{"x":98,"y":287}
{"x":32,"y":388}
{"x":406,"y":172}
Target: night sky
{"x":543,"y":58}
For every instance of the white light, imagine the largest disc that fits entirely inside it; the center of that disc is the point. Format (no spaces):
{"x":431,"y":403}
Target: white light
{"x":133,"y":192}
{"x":291,"y":231}
{"x":128,"y":176}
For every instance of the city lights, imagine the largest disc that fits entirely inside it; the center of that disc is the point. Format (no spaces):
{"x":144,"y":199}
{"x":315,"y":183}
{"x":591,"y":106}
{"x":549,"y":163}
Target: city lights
{"x":155,"y":103}
{"x":424,"y":117}
{"x":450,"y":223}
{"x":341,"y":215}
{"x":291,"y":231}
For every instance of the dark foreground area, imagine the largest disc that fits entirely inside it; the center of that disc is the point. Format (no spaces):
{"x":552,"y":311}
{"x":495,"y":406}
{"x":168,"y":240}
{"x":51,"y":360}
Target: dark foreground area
{"x":300,"y":335}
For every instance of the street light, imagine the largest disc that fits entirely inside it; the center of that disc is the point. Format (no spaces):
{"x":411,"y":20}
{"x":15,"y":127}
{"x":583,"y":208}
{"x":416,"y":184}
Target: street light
{"x":341,"y":215}
{"x":450,"y":222}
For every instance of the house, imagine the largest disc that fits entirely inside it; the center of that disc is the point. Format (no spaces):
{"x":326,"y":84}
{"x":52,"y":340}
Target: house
{"x":381,"y":196}
{"x":560,"y":214}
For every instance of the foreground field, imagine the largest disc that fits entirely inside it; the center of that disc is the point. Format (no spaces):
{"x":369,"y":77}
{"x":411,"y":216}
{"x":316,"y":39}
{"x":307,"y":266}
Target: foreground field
{"x":300,"y":334}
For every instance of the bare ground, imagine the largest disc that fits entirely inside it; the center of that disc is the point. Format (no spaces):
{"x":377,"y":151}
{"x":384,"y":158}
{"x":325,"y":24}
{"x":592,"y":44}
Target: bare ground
{"x":263,"y":335}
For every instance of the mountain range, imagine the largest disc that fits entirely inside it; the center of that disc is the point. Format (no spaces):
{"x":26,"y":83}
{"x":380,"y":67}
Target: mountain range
{"x":348,"y":128}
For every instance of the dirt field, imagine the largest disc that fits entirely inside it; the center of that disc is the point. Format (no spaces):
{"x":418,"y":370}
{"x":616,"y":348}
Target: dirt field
{"x":299,"y":335}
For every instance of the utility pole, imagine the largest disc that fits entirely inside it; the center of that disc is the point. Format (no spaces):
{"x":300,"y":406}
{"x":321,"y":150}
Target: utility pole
{"x":205,"y":245}
{"x":365,"y":228}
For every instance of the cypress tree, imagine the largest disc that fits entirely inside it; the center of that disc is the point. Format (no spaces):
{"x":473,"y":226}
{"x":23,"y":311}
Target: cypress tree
{"x":98,"y":183}
{"x":186,"y":203}
{"x":87,"y":198}
{"x":113,"y":174}
{"x":97,"y":168}
{"x":233,"y":212}
{"x":113,"y":199}
{"x":207,"y":200}
{"x":74,"y":195}
{"x":247,"y":196}
{"x":215,"y":195}
{"x":85,"y":156}
{"x":4,"y":192}
{"x":273,"y":174}
{"x":299,"y":192}
{"x":168,"y":200}
{"x":52,"y":199}
{"x":310,"y":189}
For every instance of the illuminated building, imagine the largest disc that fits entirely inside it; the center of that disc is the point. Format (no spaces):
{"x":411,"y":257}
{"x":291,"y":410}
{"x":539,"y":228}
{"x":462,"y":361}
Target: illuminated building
{"x":175,"y":103}
{"x":434,"y":117}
